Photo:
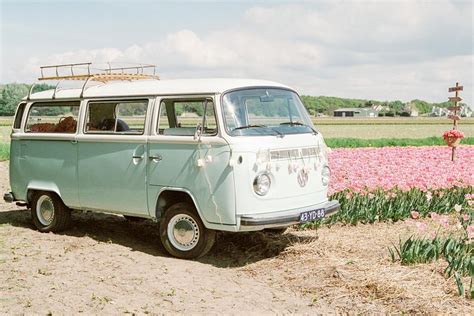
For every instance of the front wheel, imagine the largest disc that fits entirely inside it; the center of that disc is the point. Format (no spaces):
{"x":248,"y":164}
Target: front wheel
{"x":49,"y":212}
{"x":183,"y":234}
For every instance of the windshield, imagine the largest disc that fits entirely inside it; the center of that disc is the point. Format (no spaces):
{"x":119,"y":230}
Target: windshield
{"x":256,"y":112}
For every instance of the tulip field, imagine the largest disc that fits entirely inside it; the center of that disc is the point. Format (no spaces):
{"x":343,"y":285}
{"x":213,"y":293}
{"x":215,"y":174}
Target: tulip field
{"x":375,"y":184}
{"x":403,"y":167}
{"x":411,"y":183}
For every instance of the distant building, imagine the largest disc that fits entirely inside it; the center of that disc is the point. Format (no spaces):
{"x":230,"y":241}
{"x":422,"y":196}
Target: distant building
{"x":356,"y":112}
{"x":466,"y":112}
{"x":438,"y":111}
{"x":411,"y":109}
{"x":380,"y":107}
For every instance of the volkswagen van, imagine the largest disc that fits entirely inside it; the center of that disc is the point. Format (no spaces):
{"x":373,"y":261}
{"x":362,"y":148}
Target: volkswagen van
{"x":197,"y":156}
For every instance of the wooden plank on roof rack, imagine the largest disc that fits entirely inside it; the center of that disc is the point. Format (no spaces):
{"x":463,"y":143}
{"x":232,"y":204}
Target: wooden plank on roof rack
{"x":103,"y":77}
{"x":75,"y":77}
{"x":121,"y":76}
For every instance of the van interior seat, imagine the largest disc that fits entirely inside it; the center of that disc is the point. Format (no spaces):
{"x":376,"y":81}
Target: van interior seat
{"x":122,"y":126}
{"x":179,"y":131}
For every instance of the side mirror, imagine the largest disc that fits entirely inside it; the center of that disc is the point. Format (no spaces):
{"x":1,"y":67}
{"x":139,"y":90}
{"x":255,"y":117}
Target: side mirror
{"x":198,"y":132}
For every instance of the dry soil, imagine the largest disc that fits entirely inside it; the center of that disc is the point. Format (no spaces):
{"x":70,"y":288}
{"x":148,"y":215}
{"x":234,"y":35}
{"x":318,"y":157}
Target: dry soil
{"x":104,"y":264}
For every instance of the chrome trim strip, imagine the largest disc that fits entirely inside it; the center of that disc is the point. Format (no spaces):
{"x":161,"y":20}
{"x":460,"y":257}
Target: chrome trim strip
{"x":170,"y":139}
{"x":76,"y":98}
{"x":44,"y":136}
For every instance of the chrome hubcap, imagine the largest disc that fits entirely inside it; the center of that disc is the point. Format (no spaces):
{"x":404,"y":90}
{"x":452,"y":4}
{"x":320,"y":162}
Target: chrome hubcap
{"x":183,"y":232}
{"x":45,"y":210}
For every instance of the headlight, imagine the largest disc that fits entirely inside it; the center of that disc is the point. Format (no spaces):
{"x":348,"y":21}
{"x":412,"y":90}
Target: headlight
{"x":325,"y":175}
{"x":261,"y":184}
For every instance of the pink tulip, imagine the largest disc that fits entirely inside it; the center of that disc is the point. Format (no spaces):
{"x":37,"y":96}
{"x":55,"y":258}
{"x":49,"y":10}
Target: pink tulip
{"x":434,"y":216}
{"x":415,"y":215}
{"x":421,"y":226}
{"x":444,"y":221}
{"x":470,"y":231}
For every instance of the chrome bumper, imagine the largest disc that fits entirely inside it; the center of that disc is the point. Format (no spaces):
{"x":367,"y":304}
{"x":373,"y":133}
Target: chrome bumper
{"x":262,"y":221}
{"x":8,"y":197}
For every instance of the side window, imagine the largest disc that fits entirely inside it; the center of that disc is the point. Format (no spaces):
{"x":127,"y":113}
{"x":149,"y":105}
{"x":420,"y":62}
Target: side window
{"x":117,"y":117}
{"x":19,"y":116}
{"x":180,"y":117}
{"x":49,"y":117}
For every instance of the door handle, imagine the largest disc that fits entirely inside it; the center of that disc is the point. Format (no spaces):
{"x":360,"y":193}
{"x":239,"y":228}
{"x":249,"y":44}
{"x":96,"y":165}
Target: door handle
{"x":156,"y":158}
{"x":137,"y":157}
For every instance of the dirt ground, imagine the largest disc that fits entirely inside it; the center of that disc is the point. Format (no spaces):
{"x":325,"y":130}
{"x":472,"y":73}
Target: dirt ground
{"x":105,"y":264}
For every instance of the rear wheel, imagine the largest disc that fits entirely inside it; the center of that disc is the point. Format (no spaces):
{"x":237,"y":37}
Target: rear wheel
{"x":183,"y":234}
{"x":49,"y":213}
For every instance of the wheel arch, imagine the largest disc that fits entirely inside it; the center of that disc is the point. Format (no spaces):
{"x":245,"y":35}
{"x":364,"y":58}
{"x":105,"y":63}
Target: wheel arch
{"x":169,"y":196}
{"x":35,"y":186}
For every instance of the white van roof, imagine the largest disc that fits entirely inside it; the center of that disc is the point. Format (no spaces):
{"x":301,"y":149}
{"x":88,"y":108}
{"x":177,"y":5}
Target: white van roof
{"x":157,"y":87}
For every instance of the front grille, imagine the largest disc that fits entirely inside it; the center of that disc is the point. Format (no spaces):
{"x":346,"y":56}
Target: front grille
{"x":295,"y":153}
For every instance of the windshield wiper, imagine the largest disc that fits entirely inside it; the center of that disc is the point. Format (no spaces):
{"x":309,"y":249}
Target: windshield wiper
{"x":293,"y":123}
{"x":279,"y":134}
{"x":300,"y":124}
{"x":248,"y":126}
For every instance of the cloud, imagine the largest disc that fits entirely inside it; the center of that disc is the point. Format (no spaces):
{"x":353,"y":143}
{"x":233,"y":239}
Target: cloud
{"x":370,"y":49}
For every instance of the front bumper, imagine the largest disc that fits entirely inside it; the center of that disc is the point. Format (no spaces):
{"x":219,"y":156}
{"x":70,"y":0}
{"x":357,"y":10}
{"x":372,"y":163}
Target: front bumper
{"x":283,"y":219}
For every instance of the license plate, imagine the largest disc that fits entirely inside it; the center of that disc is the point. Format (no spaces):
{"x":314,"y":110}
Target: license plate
{"x":312,"y":215}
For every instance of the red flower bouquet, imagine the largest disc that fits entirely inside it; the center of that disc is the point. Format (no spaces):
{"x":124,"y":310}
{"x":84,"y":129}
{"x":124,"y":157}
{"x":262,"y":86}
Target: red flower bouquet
{"x":453,"y":137}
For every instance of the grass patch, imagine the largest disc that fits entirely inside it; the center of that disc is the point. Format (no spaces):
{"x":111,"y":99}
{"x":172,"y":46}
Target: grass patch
{"x":386,"y":142}
{"x":4,"y":151}
{"x":395,"y":205}
{"x":458,"y":252}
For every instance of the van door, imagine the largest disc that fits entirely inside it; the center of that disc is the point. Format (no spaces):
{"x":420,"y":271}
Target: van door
{"x":112,"y":156}
{"x":179,"y":161}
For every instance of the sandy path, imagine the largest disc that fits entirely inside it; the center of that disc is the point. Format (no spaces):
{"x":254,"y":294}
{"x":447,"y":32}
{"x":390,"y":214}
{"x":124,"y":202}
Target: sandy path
{"x":105,"y":264}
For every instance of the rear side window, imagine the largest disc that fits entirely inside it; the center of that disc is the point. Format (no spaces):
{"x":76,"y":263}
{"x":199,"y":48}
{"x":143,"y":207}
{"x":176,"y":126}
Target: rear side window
{"x":180,"y":117}
{"x":53,"y":117}
{"x":19,"y":116}
{"x":116,"y":117}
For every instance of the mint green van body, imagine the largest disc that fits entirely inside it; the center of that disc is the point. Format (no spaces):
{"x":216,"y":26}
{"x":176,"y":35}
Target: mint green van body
{"x":209,"y":144}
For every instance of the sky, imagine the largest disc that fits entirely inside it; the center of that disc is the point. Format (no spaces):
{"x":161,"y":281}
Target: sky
{"x":381,"y":50}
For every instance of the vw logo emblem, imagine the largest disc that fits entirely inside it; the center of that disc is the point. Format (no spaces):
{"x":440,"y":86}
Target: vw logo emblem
{"x":302,"y":178}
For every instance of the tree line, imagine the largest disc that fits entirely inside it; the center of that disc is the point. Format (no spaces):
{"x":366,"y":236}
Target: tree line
{"x":327,"y":105}
{"x":11,"y":94}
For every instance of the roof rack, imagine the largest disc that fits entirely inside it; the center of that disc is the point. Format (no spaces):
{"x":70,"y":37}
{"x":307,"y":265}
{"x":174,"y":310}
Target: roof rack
{"x":84,"y":71}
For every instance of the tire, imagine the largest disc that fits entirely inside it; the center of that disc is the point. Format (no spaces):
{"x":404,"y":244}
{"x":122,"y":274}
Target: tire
{"x":193,"y":240}
{"x":49,"y":213}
